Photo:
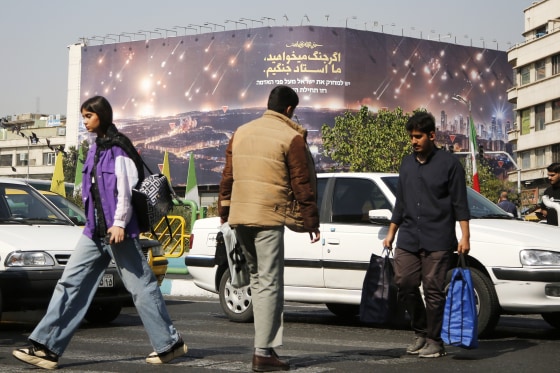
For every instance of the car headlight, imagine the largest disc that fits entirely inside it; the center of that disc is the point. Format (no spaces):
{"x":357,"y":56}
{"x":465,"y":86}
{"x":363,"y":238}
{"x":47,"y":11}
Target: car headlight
{"x":157,"y":250}
{"x":539,"y":258}
{"x":29,"y":259}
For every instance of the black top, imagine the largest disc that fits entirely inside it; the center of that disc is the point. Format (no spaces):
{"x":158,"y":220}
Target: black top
{"x":551,"y":214}
{"x":431,"y":197}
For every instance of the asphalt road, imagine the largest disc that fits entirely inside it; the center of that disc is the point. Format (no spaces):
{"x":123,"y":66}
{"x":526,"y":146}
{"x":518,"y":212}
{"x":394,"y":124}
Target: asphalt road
{"x":314,"y":341}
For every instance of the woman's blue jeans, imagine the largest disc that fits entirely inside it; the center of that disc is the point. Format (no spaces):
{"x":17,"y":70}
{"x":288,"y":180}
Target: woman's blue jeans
{"x":77,"y":286}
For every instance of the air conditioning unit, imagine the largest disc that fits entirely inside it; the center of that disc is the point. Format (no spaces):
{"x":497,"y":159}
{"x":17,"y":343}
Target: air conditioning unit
{"x":23,"y":156}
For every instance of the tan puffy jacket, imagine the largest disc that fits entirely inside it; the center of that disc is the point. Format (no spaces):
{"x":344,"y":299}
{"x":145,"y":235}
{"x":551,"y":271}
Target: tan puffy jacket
{"x":264,"y":158}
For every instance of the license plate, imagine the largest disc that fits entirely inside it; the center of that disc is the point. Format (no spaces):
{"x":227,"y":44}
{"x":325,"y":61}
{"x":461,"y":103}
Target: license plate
{"x":106,"y":281}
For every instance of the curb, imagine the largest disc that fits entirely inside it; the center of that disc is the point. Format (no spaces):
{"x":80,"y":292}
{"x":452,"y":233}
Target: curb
{"x":178,"y":282}
{"x":183,"y":288}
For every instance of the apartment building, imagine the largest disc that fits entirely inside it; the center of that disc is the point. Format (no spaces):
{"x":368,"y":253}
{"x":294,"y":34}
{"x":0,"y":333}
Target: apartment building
{"x":29,"y":144}
{"x":535,"y":137}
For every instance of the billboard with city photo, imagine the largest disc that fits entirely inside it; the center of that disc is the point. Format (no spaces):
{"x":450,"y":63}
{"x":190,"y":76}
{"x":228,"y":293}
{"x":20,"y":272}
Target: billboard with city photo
{"x":188,"y":93}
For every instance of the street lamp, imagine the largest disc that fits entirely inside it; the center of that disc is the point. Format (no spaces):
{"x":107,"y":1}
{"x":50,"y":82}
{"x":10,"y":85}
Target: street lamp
{"x":214,"y":24}
{"x":347,"y":18}
{"x":241,"y":23}
{"x":252,"y":20}
{"x":151,"y":32}
{"x":185,"y":28}
{"x":375,"y":24}
{"x":33,"y":139}
{"x":166,"y":30}
{"x":305,"y":17}
{"x":200,"y":27}
{"x":269,"y":19}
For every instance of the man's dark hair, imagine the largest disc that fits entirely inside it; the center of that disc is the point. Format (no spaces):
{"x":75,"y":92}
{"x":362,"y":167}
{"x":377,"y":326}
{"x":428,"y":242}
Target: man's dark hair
{"x":421,"y":121}
{"x":281,"y":97}
{"x":554,"y":167}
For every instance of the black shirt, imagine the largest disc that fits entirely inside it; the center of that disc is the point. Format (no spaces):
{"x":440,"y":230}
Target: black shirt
{"x":551,"y":214}
{"x":431,"y":197}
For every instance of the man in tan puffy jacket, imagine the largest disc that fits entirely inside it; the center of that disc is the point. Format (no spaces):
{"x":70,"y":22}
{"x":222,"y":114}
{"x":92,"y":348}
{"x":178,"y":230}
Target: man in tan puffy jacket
{"x":265,"y":160}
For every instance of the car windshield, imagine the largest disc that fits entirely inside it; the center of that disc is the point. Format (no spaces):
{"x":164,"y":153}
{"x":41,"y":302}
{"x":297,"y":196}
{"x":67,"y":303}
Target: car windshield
{"x":480,"y":207}
{"x":73,"y":211}
{"x":24,"y":205}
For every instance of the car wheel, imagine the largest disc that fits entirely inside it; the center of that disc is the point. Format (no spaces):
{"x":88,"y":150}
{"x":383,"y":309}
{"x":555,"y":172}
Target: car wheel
{"x":552,"y":318}
{"x":103,"y":313}
{"x":487,"y":304}
{"x":344,"y":310}
{"x":236,"y":302}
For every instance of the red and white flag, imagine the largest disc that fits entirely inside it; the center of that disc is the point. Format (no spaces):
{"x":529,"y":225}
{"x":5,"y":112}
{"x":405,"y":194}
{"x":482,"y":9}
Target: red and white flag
{"x":474,"y":151}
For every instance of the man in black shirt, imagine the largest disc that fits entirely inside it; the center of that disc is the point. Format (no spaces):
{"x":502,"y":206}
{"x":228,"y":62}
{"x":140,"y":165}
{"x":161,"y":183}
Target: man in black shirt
{"x":431,"y":197}
{"x":553,"y":192}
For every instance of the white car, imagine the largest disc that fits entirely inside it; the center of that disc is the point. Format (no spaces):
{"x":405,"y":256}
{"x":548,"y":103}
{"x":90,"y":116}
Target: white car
{"x":36,"y":241}
{"x":515,"y":264}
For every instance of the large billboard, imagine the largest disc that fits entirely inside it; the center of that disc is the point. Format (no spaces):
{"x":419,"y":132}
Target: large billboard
{"x":188,"y":93}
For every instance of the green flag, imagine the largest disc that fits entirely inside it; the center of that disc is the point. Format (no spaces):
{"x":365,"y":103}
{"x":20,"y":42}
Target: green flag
{"x":191,"y":191}
{"x":79,"y":166}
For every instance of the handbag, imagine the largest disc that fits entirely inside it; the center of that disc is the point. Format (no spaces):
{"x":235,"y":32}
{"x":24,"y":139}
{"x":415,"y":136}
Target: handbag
{"x":152,"y":199}
{"x":379,"y":303}
{"x":237,"y":263}
{"x":460,"y":319}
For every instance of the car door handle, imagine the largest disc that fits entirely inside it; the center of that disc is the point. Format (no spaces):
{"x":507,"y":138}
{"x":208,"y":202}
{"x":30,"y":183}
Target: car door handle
{"x":333,"y":241}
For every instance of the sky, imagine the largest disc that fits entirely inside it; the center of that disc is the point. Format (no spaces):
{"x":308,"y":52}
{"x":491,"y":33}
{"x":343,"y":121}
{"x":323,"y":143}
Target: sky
{"x":35,"y":34}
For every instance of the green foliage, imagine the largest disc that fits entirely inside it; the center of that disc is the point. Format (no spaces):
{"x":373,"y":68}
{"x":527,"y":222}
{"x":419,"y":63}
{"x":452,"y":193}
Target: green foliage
{"x":490,"y":185}
{"x":368,"y":142}
{"x":70,"y":161}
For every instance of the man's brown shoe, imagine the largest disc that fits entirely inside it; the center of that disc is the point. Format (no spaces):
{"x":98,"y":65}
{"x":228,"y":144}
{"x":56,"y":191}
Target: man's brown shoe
{"x":269,"y":364}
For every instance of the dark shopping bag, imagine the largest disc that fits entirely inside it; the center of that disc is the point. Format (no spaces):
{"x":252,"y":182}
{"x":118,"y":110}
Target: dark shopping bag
{"x":460,"y":320}
{"x":379,"y":304}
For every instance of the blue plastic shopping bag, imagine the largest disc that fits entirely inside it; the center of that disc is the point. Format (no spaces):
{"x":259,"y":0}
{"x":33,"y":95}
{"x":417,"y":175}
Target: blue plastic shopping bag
{"x":460,"y":319}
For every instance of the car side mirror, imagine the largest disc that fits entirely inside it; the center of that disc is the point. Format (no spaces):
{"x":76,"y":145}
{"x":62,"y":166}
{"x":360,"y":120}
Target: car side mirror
{"x":382,"y":216}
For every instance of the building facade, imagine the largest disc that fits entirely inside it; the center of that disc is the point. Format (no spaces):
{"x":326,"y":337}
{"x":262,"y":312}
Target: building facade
{"x":29,"y":144}
{"x":535,"y":136}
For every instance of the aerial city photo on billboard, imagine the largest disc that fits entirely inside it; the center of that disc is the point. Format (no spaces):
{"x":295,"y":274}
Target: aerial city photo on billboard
{"x":188,"y":93}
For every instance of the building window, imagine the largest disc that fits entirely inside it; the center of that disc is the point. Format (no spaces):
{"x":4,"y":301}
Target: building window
{"x":525,"y":75}
{"x":49,"y":159}
{"x":525,"y":121}
{"x":556,"y":64}
{"x":556,"y":110}
{"x":526,"y":160}
{"x":555,"y":152}
{"x":540,"y":157}
{"x":540,"y":69}
{"x":539,"y":118}
{"x":6,"y":160}
{"x":21,"y":159}
{"x":541,"y":31}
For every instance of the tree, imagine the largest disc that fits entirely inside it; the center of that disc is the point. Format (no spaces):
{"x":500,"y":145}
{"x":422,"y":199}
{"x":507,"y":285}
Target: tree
{"x":368,"y":142}
{"x":71,"y":160}
{"x":490,"y":185}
